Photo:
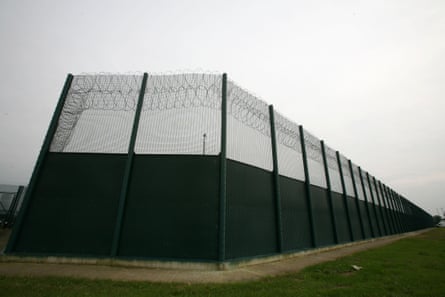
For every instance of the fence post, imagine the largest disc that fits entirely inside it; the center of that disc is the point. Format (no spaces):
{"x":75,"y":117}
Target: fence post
{"x":345,"y":195}
{"x":127,"y":172}
{"x":384,"y":219}
{"x":39,"y":164}
{"x":328,"y":183}
{"x":223,"y":173}
{"x":276,"y":178}
{"x":366,"y":202}
{"x":374,"y":205}
{"x":307,"y":185}
{"x":357,"y":200}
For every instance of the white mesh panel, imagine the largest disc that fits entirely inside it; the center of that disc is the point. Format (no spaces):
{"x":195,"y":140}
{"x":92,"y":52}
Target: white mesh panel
{"x":181,"y":114}
{"x":347,"y":176}
{"x":98,"y":114}
{"x":358,"y":182}
{"x":290,"y":159}
{"x":248,"y":128}
{"x":334,"y":173}
{"x":315,"y":160}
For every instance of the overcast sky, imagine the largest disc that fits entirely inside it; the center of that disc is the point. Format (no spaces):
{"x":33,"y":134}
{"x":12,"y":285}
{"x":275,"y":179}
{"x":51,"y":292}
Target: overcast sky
{"x":368,"y":77}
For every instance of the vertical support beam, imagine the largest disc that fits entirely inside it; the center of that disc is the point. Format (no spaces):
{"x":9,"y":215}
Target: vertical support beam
{"x":377,"y":192}
{"x":328,"y":183}
{"x":366,"y":202}
{"x":223,"y":173}
{"x":345,"y":195}
{"x":39,"y":164}
{"x":357,"y":200}
{"x":127,"y":172}
{"x":377,"y":221}
{"x":387,"y":209}
{"x":276,"y":177}
{"x":307,"y":185}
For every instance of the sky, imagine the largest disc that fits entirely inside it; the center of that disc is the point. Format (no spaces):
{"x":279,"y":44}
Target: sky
{"x":367,"y":77}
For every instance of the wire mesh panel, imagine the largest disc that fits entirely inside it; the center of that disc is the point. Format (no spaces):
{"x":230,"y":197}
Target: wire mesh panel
{"x":181,"y":114}
{"x":379,"y":191}
{"x":374,"y":190}
{"x":358,"y":182}
{"x":366,"y":186}
{"x":334,"y":172}
{"x":98,"y":114}
{"x":248,"y":128}
{"x":290,"y":159}
{"x":5,"y":202}
{"x":315,"y":160}
{"x":347,"y":176}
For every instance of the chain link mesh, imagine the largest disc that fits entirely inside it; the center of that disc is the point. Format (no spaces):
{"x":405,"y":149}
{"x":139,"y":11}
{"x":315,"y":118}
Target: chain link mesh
{"x":315,"y":160}
{"x":248,"y":128}
{"x":290,"y":159}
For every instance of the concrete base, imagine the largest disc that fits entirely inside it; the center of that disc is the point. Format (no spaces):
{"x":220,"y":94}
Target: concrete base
{"x":203,"y":266}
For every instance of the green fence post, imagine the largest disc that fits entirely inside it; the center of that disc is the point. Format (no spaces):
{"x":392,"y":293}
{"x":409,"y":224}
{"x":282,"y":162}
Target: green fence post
{"x":127,"y":172}
{"x":345,"y":195}
{"x":357,"y":200}
{"x":223,"y":173}
{"x":307,"y":186}
{"x":374,"y":205}
{"x":39,"y":164}
{"x":276,"y":178}
{"x":328,"y":183}
{"x":366,"y":201}
{"x":384,"y":219}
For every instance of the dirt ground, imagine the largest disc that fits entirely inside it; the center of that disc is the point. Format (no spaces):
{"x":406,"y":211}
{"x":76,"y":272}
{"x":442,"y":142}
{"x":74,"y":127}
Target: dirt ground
{"x":246,"y":273}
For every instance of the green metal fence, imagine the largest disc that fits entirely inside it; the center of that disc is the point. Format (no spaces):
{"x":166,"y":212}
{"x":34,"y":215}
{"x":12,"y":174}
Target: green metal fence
{"x":192,"y":167}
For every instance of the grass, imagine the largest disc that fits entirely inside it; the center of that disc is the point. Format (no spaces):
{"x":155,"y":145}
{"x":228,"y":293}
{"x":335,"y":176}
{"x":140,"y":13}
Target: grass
{"x":410,"y":267}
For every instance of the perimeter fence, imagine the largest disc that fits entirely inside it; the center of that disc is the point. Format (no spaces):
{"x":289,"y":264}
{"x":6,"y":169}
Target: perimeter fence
{"x":11,"y":198}
{"x":193,"y":167}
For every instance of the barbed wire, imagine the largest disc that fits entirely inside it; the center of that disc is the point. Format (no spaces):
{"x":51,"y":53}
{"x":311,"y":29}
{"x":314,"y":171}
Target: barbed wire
{"x":345,"y":166}
{"x":287,"y":132}
{"x":313,"y":147}
{"x":331,"y":158}
{"x":247,"y":108}
{"x":174,"y":91}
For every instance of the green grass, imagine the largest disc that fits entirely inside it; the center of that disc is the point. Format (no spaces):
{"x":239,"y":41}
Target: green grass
{"x":410,"y":267}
